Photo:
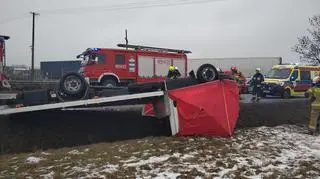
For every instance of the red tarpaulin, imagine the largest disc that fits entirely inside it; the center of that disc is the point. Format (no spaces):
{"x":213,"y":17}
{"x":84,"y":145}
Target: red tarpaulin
{"x":207,"y":109}
{"x":148,"y":110}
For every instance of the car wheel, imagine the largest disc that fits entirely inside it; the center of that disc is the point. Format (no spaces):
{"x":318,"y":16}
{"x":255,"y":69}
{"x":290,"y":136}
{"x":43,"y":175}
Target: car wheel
{"x":73,"y":84}
{"x":286,"y":94}
{"x":206,"y":73}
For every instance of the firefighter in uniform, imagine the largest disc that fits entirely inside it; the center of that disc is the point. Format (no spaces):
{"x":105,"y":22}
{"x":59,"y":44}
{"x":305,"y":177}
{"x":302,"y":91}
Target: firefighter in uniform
{"x":257,"y":80}
{"x":314,"y":97}
{"x":238,"y":76}
{"x":173,"y":72}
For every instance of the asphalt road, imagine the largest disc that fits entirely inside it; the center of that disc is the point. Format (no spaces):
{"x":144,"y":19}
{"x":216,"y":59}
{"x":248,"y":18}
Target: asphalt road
{"x":246,"y":98}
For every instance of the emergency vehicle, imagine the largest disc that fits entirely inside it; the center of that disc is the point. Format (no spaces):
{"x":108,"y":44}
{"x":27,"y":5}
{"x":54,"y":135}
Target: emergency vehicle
{"x":3,"y":77}
{"x":134,"y":64}
{"x":291,"y":80}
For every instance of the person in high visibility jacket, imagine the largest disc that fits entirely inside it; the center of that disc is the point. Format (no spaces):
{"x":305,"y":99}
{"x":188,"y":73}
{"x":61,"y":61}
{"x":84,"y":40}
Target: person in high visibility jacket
{"x":239,"y":77}
{"x":173,"y":72}
{"x":314,"y":96}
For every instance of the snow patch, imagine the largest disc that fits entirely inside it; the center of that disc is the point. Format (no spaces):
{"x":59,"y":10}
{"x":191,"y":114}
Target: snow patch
{"x":167,"y":175}
{"x":109,"y":168}
{"x":187,"y":156}
{"x":48,"y":175}
{"x":33,"y":160}
{"x":255,"y":153}
{"x":14,"y":158}
{"x":75,"y":152}
{"x":260,"y":144}
{"x":194,"y":153}
{"x":177,"y":155}
{"x":45,"y":153}
{"x":148,"y":161}
{"x":224,"y":171}
{"x":131,"y":159}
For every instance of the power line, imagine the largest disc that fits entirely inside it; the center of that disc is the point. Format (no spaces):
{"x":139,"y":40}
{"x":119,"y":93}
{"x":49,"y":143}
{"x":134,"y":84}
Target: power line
{"x":81,"y":9}
{"x":124,"y":7}
{"x":25,"y":15}
{"x":127,"y":6}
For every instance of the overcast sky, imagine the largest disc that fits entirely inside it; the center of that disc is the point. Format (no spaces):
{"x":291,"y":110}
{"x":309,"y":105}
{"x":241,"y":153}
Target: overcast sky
{"x":216,"y":28}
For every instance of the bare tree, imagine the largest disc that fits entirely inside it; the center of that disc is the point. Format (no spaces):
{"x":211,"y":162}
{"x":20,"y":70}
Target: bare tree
{"x":308,"y":46}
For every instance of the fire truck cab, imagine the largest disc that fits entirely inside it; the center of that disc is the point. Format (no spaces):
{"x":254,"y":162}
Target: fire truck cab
{"x":135,"y":64}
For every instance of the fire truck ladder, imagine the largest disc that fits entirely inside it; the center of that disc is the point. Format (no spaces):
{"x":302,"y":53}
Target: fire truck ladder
{"x":139,"y":47}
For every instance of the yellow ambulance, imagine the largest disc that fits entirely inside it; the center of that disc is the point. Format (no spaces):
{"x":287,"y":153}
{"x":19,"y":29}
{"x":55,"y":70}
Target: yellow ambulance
{"x":289,"y":80}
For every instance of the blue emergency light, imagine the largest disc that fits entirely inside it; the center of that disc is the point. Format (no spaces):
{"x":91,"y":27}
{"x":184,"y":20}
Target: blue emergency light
{"x":95,"y":49}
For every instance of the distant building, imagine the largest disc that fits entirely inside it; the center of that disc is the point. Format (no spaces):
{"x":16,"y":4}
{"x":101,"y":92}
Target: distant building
{"x":21,"y":72}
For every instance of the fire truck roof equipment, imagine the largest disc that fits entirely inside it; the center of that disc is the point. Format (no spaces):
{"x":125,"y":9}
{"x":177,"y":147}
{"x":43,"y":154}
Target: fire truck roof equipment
{"x":136,"y":47}
{"x":139,"y":47}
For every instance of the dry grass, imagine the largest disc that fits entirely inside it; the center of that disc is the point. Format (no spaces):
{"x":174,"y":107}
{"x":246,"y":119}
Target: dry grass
{"x":261,"y":152}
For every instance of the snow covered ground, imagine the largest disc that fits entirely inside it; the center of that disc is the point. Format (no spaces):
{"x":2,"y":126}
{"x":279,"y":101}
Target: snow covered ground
{"x":264,"y":152}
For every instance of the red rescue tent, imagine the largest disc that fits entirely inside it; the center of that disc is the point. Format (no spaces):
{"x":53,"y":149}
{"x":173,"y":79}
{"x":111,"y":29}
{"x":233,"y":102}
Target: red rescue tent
{"x":207,"y":109}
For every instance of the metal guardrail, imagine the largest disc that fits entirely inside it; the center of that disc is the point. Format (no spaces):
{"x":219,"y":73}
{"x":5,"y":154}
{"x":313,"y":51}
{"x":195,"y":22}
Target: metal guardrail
{"x":18,"y":85}
{"x":79,"y":103}
{"x":32,"y":82}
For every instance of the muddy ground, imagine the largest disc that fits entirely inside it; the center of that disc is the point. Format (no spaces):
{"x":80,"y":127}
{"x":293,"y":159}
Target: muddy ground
{"x":261,"y":152}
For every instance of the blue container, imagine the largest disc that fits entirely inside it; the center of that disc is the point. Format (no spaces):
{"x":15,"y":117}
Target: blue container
{"x":56,"y":69}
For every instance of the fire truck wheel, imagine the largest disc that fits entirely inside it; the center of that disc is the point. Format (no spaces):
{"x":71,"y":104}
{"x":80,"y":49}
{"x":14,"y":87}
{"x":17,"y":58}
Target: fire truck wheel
{"x":109,"y":83}
{"x":206,"y":73}
{"x":73,"y":84}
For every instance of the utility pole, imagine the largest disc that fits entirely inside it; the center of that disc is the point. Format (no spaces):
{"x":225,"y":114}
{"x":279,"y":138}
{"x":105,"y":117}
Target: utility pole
{"x":34,"y":14}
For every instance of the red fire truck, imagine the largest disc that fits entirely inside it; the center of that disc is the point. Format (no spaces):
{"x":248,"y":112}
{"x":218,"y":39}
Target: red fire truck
{"x":138,"y":64}
{"x":3,"y":78}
